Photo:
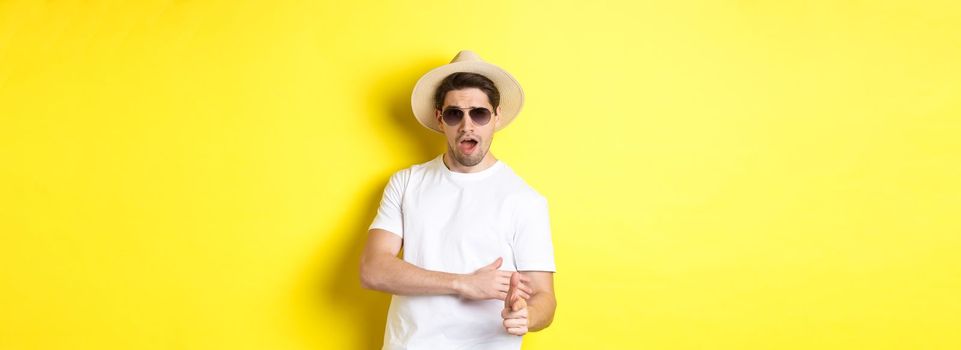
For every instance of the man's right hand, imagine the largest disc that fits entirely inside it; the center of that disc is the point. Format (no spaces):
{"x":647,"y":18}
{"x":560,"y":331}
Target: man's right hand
{"x":490,"y":283}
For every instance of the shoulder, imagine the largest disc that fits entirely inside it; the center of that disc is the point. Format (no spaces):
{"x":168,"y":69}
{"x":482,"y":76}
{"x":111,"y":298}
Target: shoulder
{"x":403,"y":176}
{"x":521,"y":192}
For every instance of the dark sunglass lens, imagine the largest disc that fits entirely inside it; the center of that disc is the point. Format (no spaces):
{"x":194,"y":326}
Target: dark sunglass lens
{"x":452,"y":116}
{"x":480,"y":116}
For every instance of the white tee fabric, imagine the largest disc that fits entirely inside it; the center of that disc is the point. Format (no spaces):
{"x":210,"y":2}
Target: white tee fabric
{"x":459,"y":222}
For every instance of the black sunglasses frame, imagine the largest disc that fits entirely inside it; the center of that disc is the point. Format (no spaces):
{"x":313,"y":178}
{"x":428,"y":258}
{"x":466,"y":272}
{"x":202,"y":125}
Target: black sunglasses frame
{"x":479,"y":115}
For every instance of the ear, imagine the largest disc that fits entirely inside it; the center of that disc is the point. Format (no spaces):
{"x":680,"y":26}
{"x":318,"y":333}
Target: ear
{"x":497,"y":118}
{"x":439,"y":119}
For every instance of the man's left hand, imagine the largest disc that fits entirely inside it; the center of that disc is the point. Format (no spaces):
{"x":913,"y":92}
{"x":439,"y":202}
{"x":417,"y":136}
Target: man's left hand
{"x":515,"y":308}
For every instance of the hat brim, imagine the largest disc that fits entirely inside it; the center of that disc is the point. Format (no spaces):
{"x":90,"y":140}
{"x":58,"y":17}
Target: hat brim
{"x":422,"y":99}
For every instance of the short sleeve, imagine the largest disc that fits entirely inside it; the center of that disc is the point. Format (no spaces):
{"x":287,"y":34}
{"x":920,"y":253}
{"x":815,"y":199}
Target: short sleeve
{"x":533,"y":248}
{"x":389,"y":215}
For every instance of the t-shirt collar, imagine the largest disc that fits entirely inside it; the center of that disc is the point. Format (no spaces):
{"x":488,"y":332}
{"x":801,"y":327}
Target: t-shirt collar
{"x":458,"y":176}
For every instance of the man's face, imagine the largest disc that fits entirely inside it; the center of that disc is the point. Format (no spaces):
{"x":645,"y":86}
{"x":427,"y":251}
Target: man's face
{"x":468,"y":142}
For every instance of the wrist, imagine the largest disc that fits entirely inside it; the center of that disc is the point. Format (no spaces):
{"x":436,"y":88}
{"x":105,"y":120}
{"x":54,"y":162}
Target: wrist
{"x":457,"y":284}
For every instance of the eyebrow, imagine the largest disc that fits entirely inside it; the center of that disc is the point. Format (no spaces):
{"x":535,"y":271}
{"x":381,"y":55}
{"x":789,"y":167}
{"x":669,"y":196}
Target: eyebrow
{"x":471,"y":107}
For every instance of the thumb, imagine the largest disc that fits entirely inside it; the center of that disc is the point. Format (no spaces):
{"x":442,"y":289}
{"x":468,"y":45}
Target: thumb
{"x":514,"y":301}
{"x":515,"y":280}
{"x":494,"y":265}
{"x":519,"y":304}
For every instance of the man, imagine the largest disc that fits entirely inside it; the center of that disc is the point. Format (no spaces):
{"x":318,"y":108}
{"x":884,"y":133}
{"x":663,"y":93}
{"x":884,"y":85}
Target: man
{"x":478,"y":262}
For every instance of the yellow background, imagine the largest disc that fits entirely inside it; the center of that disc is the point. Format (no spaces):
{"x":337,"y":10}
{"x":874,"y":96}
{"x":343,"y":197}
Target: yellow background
{"x":721,"y":174}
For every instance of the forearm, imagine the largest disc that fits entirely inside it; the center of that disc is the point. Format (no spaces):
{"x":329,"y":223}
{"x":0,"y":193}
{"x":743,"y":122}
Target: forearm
{"x":392,"y":275}
{"x":540,"y":309}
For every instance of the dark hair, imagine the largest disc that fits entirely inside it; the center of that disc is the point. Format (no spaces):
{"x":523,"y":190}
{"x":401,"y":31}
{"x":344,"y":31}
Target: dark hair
{"x":463,"y":80}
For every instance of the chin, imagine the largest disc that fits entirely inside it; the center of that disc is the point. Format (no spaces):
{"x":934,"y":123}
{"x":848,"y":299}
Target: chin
{"x":466,"y":160}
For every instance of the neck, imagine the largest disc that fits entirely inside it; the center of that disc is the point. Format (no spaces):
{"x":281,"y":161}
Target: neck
{"x":454,"y":166}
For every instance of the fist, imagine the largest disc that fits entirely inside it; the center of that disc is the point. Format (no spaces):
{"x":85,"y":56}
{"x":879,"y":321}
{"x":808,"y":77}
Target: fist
{"x":515,"y":307}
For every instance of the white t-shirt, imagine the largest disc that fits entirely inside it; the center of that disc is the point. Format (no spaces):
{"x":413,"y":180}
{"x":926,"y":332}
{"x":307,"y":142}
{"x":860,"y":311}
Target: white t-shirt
{"x":459,"y":222}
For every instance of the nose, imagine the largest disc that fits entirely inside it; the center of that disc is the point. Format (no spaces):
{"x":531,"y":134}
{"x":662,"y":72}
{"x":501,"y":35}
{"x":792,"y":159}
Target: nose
{"x":467,"y":124}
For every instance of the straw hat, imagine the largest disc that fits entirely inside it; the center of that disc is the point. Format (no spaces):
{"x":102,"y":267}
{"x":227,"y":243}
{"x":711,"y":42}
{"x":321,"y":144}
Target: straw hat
{"x":422,"y":99}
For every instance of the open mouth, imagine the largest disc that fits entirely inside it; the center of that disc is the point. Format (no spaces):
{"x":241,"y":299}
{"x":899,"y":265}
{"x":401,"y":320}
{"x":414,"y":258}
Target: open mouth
{"x":468,"y":146}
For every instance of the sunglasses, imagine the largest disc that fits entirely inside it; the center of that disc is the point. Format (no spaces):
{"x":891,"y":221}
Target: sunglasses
{"x":453,"y":115}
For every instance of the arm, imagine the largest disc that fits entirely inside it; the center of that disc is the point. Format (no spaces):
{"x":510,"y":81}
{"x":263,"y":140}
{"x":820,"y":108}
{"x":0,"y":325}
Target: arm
{"x":533,"y":314}
{"x":542,"y":303}
{"x":534,"y":253}
{"x":382,"y":270}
